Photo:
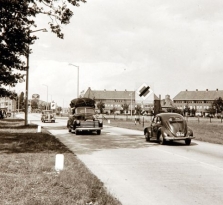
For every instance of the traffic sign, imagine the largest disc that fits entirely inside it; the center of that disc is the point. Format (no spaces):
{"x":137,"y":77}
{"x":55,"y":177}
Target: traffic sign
{"x":144,"y":91}
{"x":53,"y":105}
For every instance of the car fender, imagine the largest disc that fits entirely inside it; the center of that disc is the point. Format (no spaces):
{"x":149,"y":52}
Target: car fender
{"x":147,"y":129}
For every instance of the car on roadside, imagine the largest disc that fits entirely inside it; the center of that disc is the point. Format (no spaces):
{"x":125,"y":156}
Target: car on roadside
{"x":47,"y":116}
{"x":168,"y":127}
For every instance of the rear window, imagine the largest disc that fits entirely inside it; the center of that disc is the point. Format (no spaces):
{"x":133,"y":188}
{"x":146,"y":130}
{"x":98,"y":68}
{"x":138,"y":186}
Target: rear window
{"x":175,"y":119}
{"x":83,"y":110}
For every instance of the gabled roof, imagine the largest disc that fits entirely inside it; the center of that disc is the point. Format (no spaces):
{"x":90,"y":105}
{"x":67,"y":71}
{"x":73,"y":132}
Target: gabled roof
{"x":108,"y":94}
{"x":199,"y":95}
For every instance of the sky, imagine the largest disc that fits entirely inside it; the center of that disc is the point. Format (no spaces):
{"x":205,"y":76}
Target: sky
{"x":170,"y":44}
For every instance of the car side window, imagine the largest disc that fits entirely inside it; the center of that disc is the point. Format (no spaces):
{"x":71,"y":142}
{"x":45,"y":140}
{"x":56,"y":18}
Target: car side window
{"x":158,"y":120}
{"x":154,"y":119}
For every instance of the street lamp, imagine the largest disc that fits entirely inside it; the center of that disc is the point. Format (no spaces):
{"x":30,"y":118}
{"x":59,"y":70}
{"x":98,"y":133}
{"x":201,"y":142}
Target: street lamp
{"x":77,"y":78}
{"x":131,"y":103}
{"x":46,"y":95}
{"x":27,"y":79}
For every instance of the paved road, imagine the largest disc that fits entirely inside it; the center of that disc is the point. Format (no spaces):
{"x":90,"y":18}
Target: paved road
{"x":141,"y":173}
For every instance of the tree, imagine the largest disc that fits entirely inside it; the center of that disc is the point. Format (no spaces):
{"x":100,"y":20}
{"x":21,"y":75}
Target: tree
{"x":17,"y":21}
{"x":101,"y":106}
{"x":218,"y":105}
{"x":20,"y":101}
{"x":125,"y":107}
{"x":138,"y":110}
{"x":34,"y":104}
{"x":114,"y":109}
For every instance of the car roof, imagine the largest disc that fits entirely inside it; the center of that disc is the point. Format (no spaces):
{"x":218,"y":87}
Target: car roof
{"x":168,"y":115}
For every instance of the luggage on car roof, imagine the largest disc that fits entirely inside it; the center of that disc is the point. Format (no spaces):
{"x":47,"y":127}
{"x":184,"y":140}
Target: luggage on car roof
{"x":82,"y":102}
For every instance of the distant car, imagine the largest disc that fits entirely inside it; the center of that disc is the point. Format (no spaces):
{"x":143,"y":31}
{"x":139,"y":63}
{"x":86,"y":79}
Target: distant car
{"x":47,"y":116}
{"x":198,"y":114}
{"x":168,"y":127}
{"x":219,"y":115}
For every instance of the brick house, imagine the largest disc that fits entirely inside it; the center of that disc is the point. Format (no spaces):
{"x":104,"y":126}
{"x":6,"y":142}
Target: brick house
{"x":8,"y":104}
{"x":199,"y":100}
{"x":114,"y":100}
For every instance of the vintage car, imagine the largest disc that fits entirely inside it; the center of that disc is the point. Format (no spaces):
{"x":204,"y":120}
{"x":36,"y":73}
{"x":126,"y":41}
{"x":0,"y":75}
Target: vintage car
{"x":47,"y":116}
{"x":83,"y":117}
{"x":168,"y":127}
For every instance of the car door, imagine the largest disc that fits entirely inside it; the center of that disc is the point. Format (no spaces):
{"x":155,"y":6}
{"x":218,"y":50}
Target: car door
{"x":156,"y":124}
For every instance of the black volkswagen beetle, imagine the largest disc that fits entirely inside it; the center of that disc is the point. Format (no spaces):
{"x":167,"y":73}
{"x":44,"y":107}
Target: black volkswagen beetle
{"x":168,"y":127}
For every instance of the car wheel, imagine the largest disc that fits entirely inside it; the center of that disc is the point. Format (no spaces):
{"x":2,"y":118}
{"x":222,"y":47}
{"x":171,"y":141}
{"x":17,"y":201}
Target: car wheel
{"x":98,"y":132}
{"x":147,"y":136}
{"x":77,"y":132}
{"x":161,"y":140}
{"x":187,"y":141}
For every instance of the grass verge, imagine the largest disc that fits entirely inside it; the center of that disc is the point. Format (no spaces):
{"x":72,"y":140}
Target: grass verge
{"x":203,"y":130}
{"x":27,"y":171}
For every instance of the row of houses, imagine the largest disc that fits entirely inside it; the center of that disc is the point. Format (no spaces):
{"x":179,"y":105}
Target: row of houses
{"x":198,"y":100}
{"x":7,"y":104}
{"x":113,"y":100}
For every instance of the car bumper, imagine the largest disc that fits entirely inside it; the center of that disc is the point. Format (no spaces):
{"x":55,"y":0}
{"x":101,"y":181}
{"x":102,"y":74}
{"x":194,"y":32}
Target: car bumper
{"x":87,"y":129}
{"x":169,"y":138}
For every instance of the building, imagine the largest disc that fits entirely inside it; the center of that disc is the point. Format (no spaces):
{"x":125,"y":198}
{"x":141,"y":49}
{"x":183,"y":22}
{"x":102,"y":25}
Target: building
{"x":113,"y":100}
{"x":8,"y":104}
{"x":198,"y":100}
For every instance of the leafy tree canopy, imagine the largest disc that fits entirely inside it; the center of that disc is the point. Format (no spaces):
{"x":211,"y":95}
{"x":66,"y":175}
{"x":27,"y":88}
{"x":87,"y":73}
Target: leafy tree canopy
{"x":17,"y":22}
{"x":218,"y":104}
{"x":101,"y":106}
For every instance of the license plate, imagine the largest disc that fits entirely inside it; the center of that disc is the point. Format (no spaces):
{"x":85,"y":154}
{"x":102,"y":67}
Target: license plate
{"x":180,"y":134}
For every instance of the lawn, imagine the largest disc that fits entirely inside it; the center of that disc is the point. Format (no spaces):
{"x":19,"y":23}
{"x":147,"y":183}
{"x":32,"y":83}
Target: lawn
{"x":204,"y":129}
{"x":27,"y":170}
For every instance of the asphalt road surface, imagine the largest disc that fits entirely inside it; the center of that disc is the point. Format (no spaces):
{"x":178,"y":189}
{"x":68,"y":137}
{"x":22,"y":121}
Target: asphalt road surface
{"x":144,"y":173}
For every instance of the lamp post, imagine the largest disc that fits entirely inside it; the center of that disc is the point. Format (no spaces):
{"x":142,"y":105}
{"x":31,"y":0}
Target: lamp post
{"x":27,"y":79}
{"x":77,"y":78}
{"x":46,"y":95}
{"x":131,"y":104}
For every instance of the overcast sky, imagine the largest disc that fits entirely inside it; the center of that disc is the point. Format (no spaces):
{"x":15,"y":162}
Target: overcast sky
{"x":170,"y":44}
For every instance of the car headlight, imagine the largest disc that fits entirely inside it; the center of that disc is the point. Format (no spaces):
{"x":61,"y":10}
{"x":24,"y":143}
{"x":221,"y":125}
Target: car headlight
{"x":190,"y":132}
{"x":166,"y":134}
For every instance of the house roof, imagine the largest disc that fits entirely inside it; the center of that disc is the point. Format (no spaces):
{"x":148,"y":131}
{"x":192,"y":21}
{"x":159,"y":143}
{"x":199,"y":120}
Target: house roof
{"x":108,"y":94}
{"x":199,"y":95}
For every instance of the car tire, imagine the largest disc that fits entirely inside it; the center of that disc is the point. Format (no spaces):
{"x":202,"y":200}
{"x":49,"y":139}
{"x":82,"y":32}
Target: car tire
{"x":147,"y":136}
{"x":187,"y":141}
{"x":77,"y":132}
{"x":98,"y":132}
{"x":162,"y":140}
{"x":69,"y":130}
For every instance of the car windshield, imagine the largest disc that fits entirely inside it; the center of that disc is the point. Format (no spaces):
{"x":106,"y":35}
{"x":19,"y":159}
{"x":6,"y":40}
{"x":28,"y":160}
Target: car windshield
{"x":84,"y":110}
